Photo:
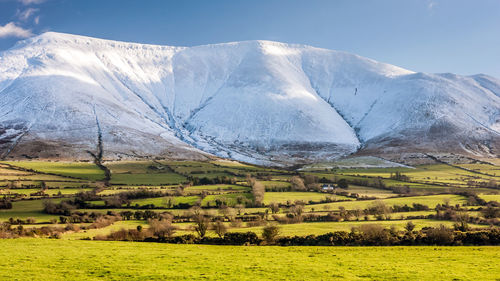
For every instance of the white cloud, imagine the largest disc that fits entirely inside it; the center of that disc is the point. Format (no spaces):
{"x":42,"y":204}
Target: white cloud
{"x":29,"y":2}
{"x":26,"y":14}
{"x":12,"y":30}
{"x":430,"y":5}
{"x":36,"y":20}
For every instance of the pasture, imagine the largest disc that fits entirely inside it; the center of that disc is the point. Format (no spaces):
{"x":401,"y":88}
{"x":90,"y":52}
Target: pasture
{"x":49,"y":259}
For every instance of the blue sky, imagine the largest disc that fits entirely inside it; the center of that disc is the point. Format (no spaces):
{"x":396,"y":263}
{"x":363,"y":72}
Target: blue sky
{"x":423,"y":35}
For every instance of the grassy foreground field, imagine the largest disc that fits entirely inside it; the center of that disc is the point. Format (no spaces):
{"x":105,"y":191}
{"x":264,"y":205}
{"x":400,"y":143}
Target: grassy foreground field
{"x":46,"y":259}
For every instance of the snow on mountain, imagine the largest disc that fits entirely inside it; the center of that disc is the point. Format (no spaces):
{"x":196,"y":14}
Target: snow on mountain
{"x":257,"y":101}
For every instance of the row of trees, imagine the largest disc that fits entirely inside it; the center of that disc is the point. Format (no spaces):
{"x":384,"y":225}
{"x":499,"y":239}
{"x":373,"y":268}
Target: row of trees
{"x":365,"y":235}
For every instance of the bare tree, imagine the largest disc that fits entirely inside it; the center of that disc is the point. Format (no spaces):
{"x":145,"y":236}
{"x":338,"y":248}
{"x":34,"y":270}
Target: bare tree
{"x":381,"y":209}
{"x":219,"y":228}
{"x":161,"y":228}
{"x":227,"y":212}
{"x":297,"y":210}
{"x":410,"y":226}
{"x":461,"y":221}
{"x":201,"y":220}
{"x":297,"y":183}
{"x":258,"y":191}
{"x":358,"y":213}
{"x":275,"y":207}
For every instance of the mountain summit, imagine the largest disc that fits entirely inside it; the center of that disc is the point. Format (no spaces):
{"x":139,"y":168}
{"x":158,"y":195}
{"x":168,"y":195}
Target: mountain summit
{"x":68,"y":96}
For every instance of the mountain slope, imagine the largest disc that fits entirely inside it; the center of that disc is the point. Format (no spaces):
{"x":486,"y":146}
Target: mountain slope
{"x":257,"y":101}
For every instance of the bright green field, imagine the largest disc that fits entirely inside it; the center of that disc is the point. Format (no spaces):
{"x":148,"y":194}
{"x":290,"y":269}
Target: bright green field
{"x":86,"y":171}
{"x":133,"y":167}
{"x":487,"y":169}
{"x":44,"y":259}
{"x":162,"y":201}
{"x":429,"y":200}
{"x":26,"y":179}
{"x":216,"y":187}
{"x":276,"y":183}
{"x":51,"y":192}
{"x":283,"y":197}
{"x":147,"y":179}
{"x":368,"y":191}
{"x":90,"y":233}
{"x":439,"y":173}
{"x":27,"y":208}
{"x":490,"y":197}
{"x":229,"y":199}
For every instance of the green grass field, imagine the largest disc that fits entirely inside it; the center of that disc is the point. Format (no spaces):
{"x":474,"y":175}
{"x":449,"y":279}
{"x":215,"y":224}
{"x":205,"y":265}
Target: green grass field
{"x":431,"y":174}
{"x":133,"y":167}
{"x":51,"y":192}
{"x":27,"y":208}
{"x":490,"y":197}
{"x":230,"y":199}
{"x":216,"y":187}
{"x":71,"y":258}
{"x":91,"y":233}
{"x":271,"y":184}
{"x":369,"y":191}
{"x":162,"y":201}
{"x":44,"y":259}
{"x":87,"y":171}
{"x":284,"y":197}
{"x":429,"y":200}
{"x":147,"y":179}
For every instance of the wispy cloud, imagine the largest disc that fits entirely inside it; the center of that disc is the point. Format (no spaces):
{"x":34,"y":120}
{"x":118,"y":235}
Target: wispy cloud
{"x":431,"y":4}
{"x":29,"y":2}
{"x":26,"y":14}
{"x":36,"y":20}
{"x":12,"y":30}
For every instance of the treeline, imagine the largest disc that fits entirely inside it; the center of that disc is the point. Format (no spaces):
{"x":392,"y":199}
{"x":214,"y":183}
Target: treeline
{"x":208,"y":181}
{"x":366,"y":235}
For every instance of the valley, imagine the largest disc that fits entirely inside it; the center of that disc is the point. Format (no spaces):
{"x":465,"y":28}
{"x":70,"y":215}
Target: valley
{"x":302,"y":202}
{"x":167,"y":201}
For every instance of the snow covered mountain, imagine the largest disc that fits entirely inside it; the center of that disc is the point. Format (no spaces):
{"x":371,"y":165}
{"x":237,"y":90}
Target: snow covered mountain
{"x":265,"y":102}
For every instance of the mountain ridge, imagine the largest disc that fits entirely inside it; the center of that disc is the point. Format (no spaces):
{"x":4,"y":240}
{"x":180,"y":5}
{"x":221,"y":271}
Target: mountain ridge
{"x":256,"y":101}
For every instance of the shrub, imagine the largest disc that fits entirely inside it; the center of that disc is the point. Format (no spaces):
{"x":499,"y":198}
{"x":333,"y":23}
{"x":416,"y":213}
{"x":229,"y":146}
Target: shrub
{"x":246,"y":238}
{"x":297,"y":183}
{"x":409,"y":226}
{"x":270,"y":233}
{"x":161,"y":228}
{"x":374,"y":234}
{"x":63,"y":208}
{"x":439,"y":236}
{"x":123,"y":235}
{"x":275,"y":207}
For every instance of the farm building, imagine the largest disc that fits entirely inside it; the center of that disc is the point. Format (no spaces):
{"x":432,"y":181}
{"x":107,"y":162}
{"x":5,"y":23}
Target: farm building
{"x":328,"y":187}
